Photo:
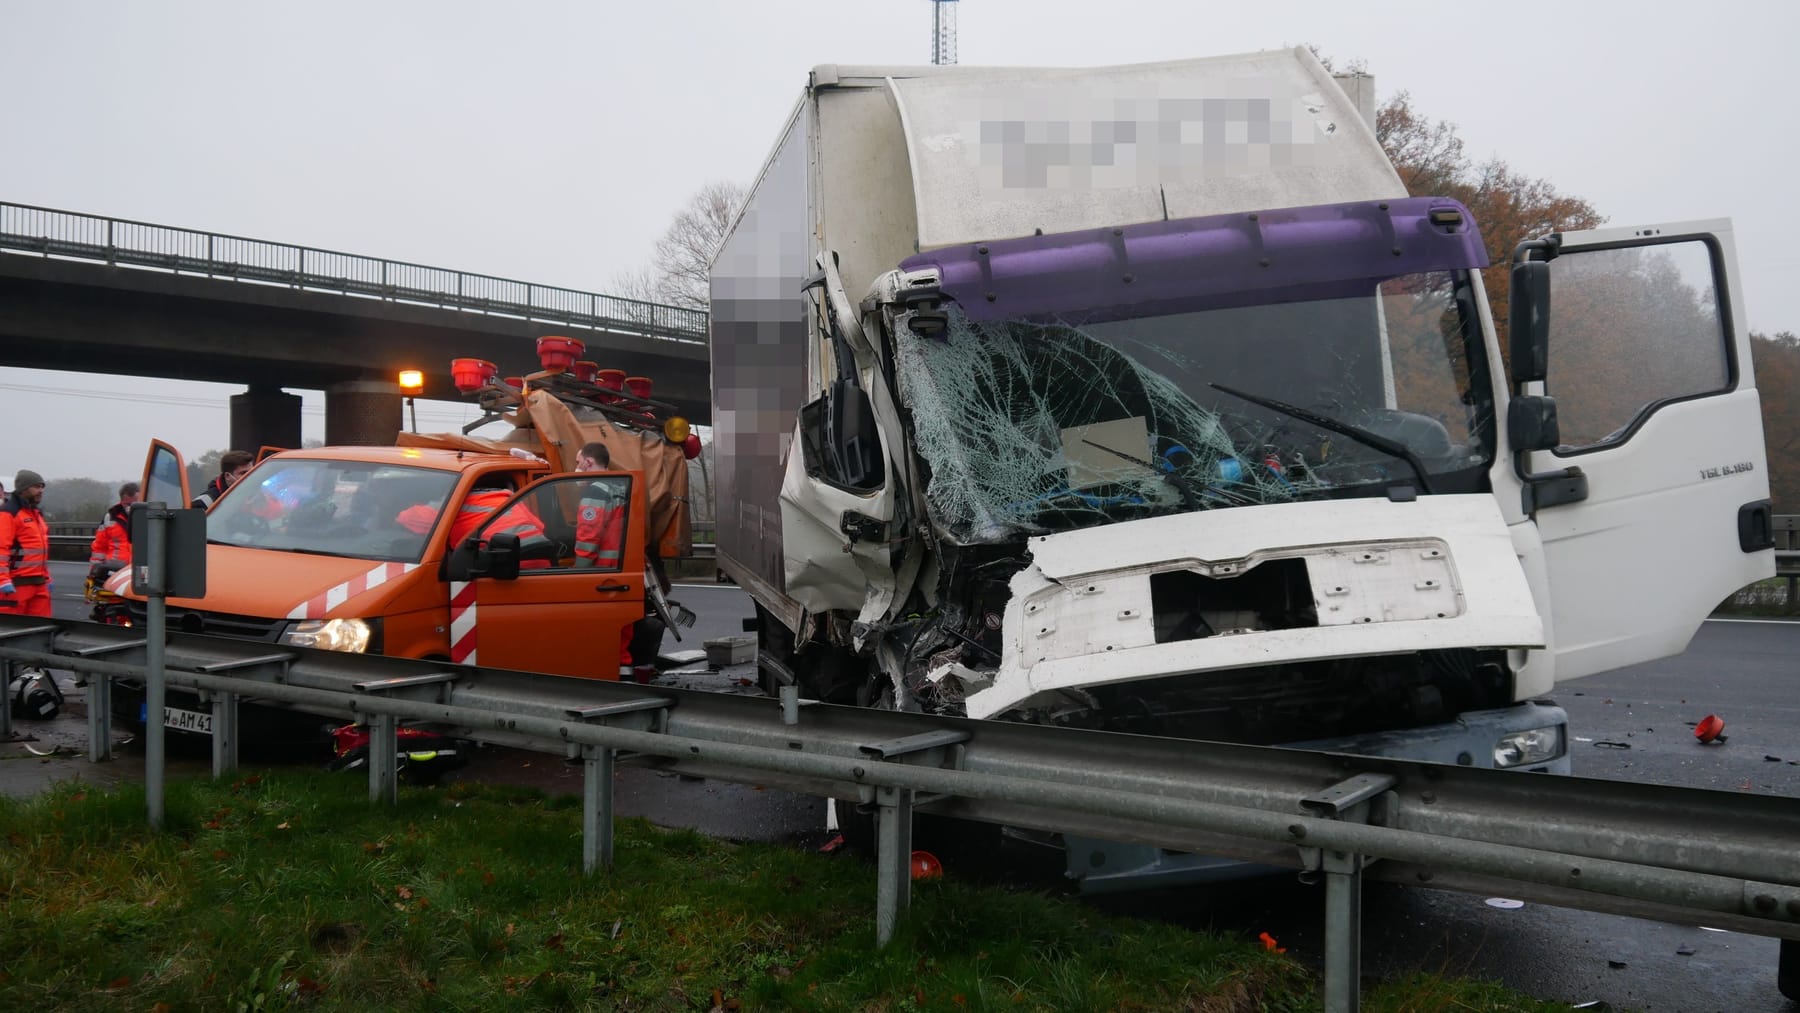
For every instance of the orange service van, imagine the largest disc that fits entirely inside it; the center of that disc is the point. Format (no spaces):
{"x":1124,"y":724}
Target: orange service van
{"x":446,"y":546}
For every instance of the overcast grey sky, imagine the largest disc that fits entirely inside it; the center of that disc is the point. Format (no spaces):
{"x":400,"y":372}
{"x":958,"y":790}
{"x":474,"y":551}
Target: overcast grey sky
{"x":552,"y":141}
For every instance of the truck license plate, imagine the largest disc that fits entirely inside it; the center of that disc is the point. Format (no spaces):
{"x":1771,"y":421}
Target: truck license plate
{"x":198,"y":722}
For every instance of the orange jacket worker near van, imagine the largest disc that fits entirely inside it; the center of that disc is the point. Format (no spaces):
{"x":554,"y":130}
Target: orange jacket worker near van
{"x":24,"y":549}
{"x":112,"y":539}
{"x":475,"y":511}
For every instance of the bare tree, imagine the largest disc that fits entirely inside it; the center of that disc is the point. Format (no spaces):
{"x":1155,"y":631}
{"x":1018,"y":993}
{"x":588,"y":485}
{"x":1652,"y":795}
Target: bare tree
{"x":683,"y":257}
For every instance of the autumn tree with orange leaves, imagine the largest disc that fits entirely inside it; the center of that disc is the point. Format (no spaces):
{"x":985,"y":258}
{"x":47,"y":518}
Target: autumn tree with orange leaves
{"x":1508,"y":207}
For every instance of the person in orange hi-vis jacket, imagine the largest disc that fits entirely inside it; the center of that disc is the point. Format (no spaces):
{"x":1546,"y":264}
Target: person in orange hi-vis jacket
{"x":112,"y":539}
{"x":474,"y":512}
{"x":25,"y":582}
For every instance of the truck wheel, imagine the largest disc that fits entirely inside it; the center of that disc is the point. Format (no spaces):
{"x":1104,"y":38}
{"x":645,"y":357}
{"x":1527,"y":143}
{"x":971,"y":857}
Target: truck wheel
{"x":1787,"y":974}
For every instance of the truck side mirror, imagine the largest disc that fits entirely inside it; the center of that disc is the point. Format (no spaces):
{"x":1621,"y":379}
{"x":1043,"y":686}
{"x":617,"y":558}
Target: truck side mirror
{"x":1531,"y":423}
{"x":858,"y":443}
{"x":1530,"y":323}
{"x":840,"y":443}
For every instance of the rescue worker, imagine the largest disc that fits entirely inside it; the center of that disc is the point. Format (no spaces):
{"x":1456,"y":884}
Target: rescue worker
{"x":600,"y":532}
{"x":233,"y":465}
{"x":480,"y":505}
{"x":112,"y":539}
{"x":25,"y":582}
{"x":600,"y":517}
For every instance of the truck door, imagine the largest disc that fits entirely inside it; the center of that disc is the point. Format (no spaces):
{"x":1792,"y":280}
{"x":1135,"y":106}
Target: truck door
{"x":579,"y":582}
{"x":1649,"y":364}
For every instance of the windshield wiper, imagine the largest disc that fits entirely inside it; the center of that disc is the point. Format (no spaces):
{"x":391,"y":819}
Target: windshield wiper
{"x":1357,"y":433}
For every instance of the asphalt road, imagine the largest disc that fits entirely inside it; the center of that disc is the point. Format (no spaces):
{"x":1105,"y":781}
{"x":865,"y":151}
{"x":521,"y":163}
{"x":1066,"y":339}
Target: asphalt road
{"x":1634,"y":724}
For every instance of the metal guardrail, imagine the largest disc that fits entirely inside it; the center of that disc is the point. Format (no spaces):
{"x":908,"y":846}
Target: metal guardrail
{"x":1682,"y":854}
{"x":54,"y":233}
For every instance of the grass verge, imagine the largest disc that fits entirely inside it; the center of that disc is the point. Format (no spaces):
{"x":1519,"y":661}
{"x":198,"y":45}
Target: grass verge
{"x":289,"y":891}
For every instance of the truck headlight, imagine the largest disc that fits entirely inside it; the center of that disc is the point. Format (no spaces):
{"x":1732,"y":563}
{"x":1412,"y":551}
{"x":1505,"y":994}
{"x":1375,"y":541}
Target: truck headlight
{"x":1533,"y":746}
{"x":351,"y":635}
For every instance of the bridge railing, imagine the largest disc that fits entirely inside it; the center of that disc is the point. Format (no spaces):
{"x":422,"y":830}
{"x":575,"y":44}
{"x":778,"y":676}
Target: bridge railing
{"x":68,"y":234}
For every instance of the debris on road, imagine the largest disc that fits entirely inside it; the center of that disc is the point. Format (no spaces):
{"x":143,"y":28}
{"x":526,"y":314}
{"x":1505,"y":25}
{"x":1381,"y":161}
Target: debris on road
{"x":1609,"y":744}
{"x":1710,"y":729}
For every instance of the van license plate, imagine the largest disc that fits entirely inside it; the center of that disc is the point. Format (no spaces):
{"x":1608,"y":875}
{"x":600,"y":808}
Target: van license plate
{"x":198,"y":722}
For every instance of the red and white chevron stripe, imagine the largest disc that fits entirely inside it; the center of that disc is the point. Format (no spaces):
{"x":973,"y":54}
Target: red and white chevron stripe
{"x":319,"y":604}
{"x":462,"y":622}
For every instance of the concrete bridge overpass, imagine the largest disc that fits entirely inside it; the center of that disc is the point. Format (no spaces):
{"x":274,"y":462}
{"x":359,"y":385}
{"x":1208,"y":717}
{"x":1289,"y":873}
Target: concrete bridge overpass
{"x":104,"y":295}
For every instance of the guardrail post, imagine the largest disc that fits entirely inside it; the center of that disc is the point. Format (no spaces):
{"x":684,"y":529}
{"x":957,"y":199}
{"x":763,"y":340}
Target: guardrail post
{"x":893,"y":819}
{"x":6,"y":678}
{"x":893,"y":860}
{"x":1343,"y":931}
{"x":384,"y":764}
{"x":224,"y":733}
{"x":1360,"y":799}
{"x":597,"y":778}
{"x":596,"y":809}
{"x":99,"y":720}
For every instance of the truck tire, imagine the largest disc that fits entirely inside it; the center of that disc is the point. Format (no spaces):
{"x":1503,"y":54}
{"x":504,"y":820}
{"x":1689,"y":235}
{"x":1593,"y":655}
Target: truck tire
{"x":1787,"y":974}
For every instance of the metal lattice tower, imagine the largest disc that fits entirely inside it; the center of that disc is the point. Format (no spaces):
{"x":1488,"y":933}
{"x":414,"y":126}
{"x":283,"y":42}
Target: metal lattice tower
{"x":943,"y":31}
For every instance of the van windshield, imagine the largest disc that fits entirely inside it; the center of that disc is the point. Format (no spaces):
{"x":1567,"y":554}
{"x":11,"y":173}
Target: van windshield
{"x":334,"y":508}
{"x":1038,"y":425}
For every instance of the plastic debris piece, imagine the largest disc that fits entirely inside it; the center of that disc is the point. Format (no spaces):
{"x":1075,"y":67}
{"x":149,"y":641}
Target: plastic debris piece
{"x":1617,"y":965}
{"x":1684,"y":950}
{"x":925,"y":865}
{"x":836,"y":842}
{"x":1270,"y":944}
{"x":1505,"y":903}
{"x":1609,"y":744}
{"x":1771,"y":759}
{"x":1710,"y":729}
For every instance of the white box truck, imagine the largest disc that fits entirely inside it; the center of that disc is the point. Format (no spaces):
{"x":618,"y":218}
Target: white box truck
{"x":1145,"y":398}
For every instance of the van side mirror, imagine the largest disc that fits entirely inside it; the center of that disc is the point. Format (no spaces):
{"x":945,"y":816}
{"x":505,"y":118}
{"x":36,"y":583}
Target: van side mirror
{"x":499,"y":558}
{"x":1530,"y":321}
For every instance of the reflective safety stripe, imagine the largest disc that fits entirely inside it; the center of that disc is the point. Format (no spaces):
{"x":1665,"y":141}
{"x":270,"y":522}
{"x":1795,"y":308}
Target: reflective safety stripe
{"x":318,"y":605}
{"x":462,"y":622}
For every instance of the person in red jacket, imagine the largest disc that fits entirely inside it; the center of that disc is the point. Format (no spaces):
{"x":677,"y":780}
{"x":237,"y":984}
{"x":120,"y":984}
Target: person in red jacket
{"x":25,"y":582}
{"x":112,"y":540}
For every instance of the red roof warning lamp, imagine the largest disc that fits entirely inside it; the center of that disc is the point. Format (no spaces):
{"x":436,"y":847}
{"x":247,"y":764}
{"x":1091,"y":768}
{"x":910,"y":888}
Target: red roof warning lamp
{"x":586,"y":370}
{"x":516,"y":382}
{"x":472,"y":374}
{"x":558,"y":354}
{"x":638,"y":387}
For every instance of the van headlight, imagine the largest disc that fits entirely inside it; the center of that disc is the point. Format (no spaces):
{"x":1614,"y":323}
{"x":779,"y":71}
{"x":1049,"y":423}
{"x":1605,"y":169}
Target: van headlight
{"x":350,"y":635}
{"x":1533,"y":746}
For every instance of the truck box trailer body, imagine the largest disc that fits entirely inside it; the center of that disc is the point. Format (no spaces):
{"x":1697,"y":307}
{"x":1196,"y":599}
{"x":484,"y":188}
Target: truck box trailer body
{"x":1145,"y":398}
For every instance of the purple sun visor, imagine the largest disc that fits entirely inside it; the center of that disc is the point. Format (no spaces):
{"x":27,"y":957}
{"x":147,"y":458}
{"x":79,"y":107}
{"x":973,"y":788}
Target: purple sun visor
{"x":1324,"y":251}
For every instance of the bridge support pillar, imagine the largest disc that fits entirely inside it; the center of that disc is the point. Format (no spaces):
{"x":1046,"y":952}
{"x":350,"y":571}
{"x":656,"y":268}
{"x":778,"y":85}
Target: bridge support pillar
{"x":362,"y":413}
{"x":265,"y":416}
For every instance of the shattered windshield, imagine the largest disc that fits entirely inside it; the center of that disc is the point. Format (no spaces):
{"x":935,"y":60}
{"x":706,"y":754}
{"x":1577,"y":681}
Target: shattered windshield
{"x":1029,"y":427}
{"x":334,"y":508}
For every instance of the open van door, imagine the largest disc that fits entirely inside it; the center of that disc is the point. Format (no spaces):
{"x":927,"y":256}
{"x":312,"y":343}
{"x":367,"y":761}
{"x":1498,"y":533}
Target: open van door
{"x":165,"y":477}
{"x":1653,"y":504}
{"x":553,"y":580}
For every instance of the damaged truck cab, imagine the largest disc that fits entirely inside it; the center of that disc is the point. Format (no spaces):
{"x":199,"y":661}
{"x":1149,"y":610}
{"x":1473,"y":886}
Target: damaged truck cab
{"x":1146,"y":399}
